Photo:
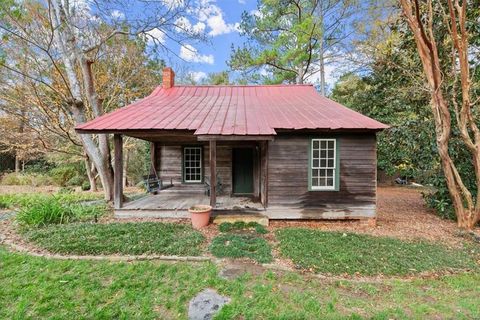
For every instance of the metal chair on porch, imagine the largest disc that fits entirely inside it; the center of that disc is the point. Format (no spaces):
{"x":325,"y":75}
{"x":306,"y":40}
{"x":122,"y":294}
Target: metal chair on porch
{"x":208,"y":185}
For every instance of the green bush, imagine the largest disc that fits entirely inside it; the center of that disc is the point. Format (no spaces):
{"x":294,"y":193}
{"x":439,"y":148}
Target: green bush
{"x":241,"y":225}
{"x":61,"y":175}
{"x":75,"y":181}
{"x":86,"y":186}
{"x":241,"y":246}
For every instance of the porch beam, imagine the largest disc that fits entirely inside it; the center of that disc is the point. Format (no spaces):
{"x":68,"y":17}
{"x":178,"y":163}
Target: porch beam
{"x":213,"y":173}
{"x":234,"y":138}
{"x":118,"y":171}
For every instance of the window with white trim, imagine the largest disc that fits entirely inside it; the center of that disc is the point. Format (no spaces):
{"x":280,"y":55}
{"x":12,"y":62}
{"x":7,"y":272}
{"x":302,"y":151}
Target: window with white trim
{"x":192,"y":164}
{"x":323,"y":164}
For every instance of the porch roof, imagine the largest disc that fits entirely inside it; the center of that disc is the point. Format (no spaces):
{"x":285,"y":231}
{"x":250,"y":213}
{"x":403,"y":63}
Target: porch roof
{"x":232,"y":111}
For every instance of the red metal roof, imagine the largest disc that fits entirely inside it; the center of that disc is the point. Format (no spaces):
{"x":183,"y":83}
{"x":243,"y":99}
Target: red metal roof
{"x":232,"y":110}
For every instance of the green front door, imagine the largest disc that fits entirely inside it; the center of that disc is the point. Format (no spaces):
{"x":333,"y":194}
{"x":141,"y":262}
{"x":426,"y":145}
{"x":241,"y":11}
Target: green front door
{"x":243,"y":170}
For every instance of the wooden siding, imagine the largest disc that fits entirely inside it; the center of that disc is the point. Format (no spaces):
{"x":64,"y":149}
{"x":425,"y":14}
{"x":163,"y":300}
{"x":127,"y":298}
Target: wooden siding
{"x":170,"y":164}
{"x":288,"y":179}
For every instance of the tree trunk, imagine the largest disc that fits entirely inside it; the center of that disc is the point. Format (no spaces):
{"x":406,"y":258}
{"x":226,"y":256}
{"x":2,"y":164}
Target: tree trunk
{"x":91,"y":174}
{"x":71,"y":55}
{"x":322,"y":70}
{"x":17,"y":163}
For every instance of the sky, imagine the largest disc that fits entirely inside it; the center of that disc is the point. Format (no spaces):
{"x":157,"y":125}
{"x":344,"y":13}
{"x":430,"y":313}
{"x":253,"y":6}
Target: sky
{"x":221,"y":24}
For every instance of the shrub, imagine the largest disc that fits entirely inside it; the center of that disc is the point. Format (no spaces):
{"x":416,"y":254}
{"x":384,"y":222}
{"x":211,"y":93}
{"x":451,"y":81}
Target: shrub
{"x":86,"y":186}
{"x":241,"y":225}
{"x":241,"y":246}
{"x":43,"y":211}
{"x":26,"y":179}
{"x":75,"y":181}
{"x":61,"y":175}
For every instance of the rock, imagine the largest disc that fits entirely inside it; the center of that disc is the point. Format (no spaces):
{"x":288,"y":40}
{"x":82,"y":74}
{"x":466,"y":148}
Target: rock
{"x":206,"y":304}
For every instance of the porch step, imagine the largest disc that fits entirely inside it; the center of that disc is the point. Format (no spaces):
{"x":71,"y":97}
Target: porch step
{"x":231,"y":218}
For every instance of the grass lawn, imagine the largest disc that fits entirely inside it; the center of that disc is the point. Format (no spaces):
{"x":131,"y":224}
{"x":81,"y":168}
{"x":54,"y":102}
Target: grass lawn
{"x":241,"y":246}
{"x":121,"y":238}
{"x":39,"y":288}
{"x":338,"y":253}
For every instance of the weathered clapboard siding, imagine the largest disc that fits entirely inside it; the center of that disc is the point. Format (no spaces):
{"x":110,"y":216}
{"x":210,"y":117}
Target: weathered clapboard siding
{"x":288,"y":179}
{"x":170,"y":164}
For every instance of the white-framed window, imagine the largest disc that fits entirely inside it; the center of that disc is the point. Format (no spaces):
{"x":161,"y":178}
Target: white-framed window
{"x":323,"y":164}
{"x":192,"y":164}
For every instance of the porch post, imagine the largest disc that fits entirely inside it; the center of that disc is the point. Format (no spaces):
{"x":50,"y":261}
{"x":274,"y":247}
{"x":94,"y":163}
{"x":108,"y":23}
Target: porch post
{"x":264,"y":173}
{"x":153,"y":158}
{"x":213,"y":173}
{"x":118,"y":171}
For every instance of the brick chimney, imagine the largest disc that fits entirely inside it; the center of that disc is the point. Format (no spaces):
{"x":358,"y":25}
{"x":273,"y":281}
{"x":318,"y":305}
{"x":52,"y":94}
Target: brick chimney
{"x":168,"y":78}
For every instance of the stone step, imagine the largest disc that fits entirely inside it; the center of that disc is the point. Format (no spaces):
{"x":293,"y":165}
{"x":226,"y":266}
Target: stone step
{"x":231,"y":218}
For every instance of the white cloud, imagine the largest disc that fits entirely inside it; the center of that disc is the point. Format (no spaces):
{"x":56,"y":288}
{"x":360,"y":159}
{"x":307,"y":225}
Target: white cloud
{"x":117,"y":14}
{"x":212,"y":16}
{"x":198,"y":76}
{"x":184,"y":25}
{"x":242,"y":1}
{"x":155,"y":36}
{"x":174,"y":3}
{"x":190,"y":54}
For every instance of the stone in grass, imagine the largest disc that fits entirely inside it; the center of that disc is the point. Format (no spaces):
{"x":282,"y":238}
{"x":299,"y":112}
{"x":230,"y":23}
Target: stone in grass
{"x":206,"y":304}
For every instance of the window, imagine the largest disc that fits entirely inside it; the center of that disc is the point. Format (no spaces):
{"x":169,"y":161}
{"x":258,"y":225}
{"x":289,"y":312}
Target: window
{"x":192,"y":164}
{"x":323,"y":164}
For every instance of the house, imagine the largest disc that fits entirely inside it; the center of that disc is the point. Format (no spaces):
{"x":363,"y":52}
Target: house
{"x":281,"y":150}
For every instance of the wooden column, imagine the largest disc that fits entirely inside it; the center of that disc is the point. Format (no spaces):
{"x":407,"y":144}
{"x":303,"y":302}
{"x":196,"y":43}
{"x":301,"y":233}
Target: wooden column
{"x":153,"y":158}
{"x":213,"y":173}
{"x":264,"y":173}
{"x":118,"y":171}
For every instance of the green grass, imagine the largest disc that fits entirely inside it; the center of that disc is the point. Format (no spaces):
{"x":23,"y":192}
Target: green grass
{"x":121,"y":238}
{"x":27,"y":199}
{"x":54,"y":210}
{"x":241,"y":225}
{"x":241,"y":246}
{"x":39,"y":288}
{"x":339,"y":253}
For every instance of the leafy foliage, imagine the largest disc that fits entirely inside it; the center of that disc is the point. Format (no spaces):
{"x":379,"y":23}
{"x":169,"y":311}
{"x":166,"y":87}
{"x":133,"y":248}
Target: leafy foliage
{"x":25,"y":200}
{"x":241,"y":225}
{"x":119,"y":238}
{"x":241,"y":246}
{"x":339,"y":253}
{"x":52,"y":210}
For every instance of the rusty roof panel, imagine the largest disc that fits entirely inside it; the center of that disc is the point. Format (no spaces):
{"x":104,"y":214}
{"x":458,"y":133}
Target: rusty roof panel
{"x":232,"y":110}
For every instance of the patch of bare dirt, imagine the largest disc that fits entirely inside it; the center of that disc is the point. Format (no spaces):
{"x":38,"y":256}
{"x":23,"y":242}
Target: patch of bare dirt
{"x":401,"y":213}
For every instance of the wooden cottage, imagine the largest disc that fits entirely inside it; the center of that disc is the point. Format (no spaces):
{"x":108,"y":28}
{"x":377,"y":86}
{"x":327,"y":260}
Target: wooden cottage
{"x":281,"y":150}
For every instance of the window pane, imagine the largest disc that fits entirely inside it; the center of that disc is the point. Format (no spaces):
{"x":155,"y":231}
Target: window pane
{"x":192,"y":163}
{"x":323,"y":162}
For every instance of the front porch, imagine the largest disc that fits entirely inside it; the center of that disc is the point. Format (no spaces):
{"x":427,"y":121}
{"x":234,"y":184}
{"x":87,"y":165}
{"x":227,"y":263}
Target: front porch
{"x":174,"y":202}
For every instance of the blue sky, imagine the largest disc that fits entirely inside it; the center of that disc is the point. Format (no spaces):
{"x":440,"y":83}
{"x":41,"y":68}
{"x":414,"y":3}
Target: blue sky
{"x":221,"y":27}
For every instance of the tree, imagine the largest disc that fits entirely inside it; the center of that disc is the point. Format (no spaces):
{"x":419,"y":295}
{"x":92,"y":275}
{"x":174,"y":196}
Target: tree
{"x":217,"y":78}
{"x":452,"y":89}
{"x":293,"y":40}
{"x":68,"y":38}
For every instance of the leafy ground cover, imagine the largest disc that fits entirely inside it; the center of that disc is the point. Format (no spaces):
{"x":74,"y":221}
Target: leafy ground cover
{"x":39,"y":288}
{"x":241,"y":225}
{"x":241,"y":246}
{"x":338,"y":253}
{"x":118,"y":238}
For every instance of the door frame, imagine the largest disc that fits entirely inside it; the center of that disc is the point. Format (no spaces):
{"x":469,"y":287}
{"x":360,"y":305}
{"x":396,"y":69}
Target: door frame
{"x":255,"y":174}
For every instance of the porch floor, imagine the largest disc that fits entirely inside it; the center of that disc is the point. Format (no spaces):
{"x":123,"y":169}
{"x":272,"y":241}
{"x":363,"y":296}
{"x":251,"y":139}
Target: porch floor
{"x":175,"y":202}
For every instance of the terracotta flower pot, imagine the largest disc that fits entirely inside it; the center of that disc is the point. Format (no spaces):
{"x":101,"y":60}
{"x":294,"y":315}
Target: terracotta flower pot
{"x":200,"y":215}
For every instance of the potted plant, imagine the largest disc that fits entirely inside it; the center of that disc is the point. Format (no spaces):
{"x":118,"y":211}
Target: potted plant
{"x":200,"y":215}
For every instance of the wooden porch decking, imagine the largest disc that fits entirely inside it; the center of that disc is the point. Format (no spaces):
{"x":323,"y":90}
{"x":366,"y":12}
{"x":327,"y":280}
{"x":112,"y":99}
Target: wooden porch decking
{"x":174,"y":202}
